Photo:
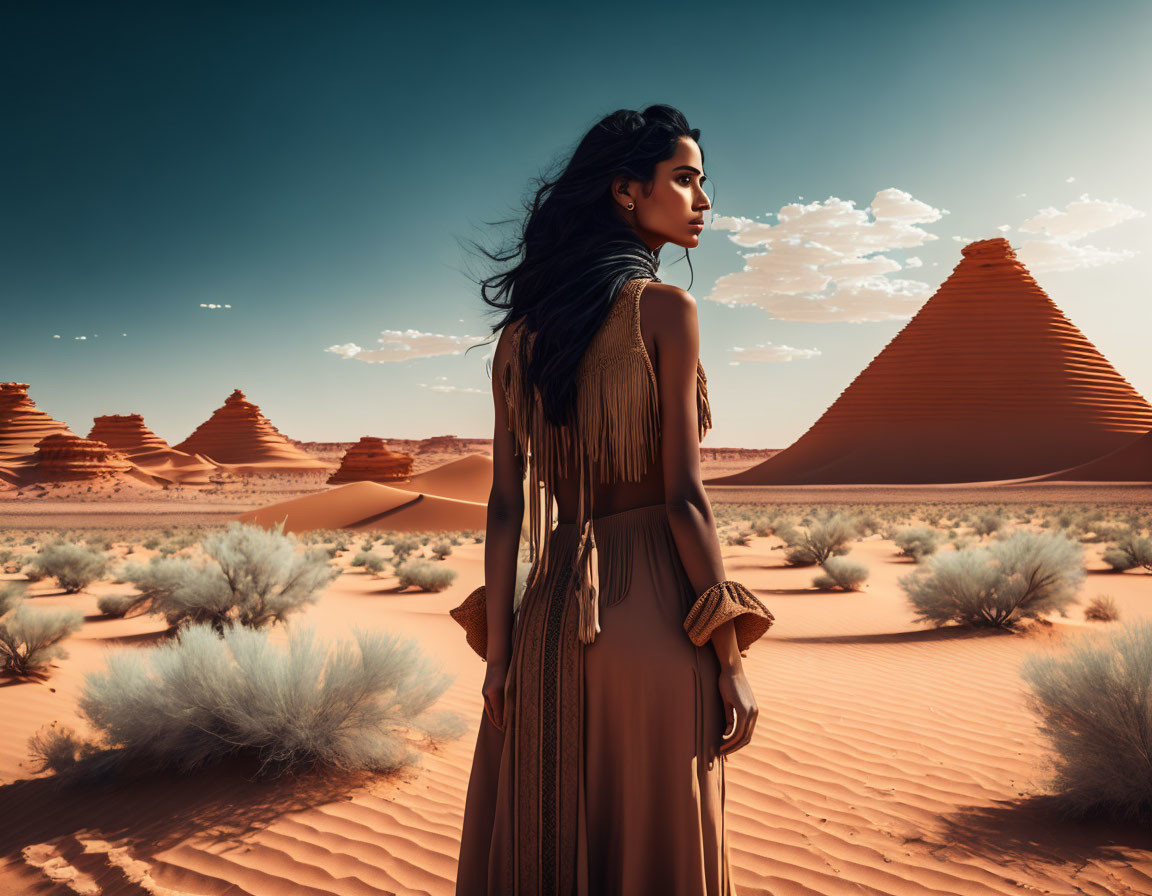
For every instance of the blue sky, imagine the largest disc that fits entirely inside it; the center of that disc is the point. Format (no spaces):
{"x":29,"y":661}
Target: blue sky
{"x":318,"y":167}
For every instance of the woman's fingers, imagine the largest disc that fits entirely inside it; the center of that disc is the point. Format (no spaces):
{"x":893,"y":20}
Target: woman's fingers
{"x":741,"y":734}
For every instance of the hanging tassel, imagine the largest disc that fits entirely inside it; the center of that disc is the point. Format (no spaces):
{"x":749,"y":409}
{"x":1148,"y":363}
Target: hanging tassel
{"x":586,"y":590}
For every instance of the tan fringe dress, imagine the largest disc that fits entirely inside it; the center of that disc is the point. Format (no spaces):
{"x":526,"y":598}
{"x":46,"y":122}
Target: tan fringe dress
{"x":606,"y":778}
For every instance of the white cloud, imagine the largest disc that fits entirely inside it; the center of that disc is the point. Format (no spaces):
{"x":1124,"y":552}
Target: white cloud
{"x":213,"y":305}
{"x":770,"y":351}
{"x":821,"y":261}
{"x":441,"y":385}
{"x":1061,"y":230}
{"x":403,"y":345}
{"x":1004,"y":228}
{"x":913,"y":261}
{"x":1080,"y":218}
{"x":1055,"y":255}
{"x":1069,"y":180}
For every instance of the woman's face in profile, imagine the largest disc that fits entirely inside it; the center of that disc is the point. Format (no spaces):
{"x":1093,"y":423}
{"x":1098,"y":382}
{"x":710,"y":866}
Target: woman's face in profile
{"x":674,"y":211}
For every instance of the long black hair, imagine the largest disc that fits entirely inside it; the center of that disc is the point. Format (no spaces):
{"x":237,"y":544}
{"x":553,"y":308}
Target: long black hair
{"x":577,"y":252}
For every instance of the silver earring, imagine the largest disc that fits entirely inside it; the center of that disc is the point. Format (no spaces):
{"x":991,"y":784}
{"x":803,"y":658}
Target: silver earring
{"x":629,"y":206}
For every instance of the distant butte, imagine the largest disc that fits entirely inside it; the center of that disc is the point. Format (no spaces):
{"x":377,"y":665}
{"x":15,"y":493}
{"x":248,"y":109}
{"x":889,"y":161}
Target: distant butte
{"x":240,"y":436}
{"x":369,"y":460}
{"x":22,"y":425}
{"x":988,"y":381}
{"x":128,"y":435}
{"x":60,"y":458}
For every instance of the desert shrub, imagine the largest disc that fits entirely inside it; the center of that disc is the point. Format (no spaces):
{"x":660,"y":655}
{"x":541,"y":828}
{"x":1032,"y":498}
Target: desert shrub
{"x":117,"y":605}
{"x":441,"y":549}
{"x":1095,"y":707}
{"x":916,"y":542}
{"x":1102,"y":608}
{"x":403,"y":548}
{"x":988,"y":522}
{"x":30,"y":636}
{"x":1023,"y":576}
{"x":841,"y":573}
{"x":1131,"y":550}
{"x":372,"y":563}
{"x":781,"y":526}
{"x":73,"y":566}
{"x":425,"y":575}
{"x":868,"y":522}
{"x":824,"y":537}
{"x":740,"y":537}
{"x":203,"y":697}
{"x":257,"y":579}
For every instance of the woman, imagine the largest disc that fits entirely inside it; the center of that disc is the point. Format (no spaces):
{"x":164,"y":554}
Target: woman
{"x":599,"y":765}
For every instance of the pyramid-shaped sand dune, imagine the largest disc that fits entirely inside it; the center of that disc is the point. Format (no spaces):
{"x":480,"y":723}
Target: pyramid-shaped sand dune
{"x":128,"y":435}
{"x":988,"y":381}
{"x":239,"y":435}
{"x":467,"y":479}
{"x":369,"y":460}
{"x":1129,"y":463}
{"x":369,"y":505}
{"x":22,"y":425}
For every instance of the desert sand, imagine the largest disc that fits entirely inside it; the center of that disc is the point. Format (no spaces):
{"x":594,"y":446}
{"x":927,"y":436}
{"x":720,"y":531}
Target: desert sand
{"x":889,"y":758}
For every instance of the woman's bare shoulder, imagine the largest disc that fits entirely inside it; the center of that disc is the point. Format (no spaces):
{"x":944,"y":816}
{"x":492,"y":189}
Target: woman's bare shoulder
{"x":668,"y":311}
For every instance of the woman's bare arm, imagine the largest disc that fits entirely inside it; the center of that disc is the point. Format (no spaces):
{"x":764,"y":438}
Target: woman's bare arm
{"x":505,"y":518}
{"x":676,"y":332}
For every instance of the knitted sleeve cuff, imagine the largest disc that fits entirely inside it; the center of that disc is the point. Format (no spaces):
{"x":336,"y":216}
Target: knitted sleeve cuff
{"x":723,"y":601}
{"x":473,"y":617}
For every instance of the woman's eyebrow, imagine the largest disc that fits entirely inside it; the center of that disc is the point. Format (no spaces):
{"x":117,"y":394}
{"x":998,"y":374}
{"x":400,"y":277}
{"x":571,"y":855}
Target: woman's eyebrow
{"x":688,"y":167}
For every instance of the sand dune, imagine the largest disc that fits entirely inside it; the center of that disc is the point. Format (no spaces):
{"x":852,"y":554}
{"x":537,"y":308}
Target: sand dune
{"x":1131,"y":462}
{"x":888,"y":759}
{"x":467,"y":479}
{"x":988,"y":381}
{"x":370,"y":505}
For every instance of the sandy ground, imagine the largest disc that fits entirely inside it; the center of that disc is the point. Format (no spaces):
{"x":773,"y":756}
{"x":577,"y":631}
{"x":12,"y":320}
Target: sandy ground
{"x":889,"y":758}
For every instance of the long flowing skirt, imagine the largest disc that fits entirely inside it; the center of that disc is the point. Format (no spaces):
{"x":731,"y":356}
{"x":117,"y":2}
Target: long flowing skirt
{"x":606,"y":778}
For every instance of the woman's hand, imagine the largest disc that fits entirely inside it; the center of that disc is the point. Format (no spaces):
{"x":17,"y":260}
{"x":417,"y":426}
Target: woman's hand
{"x":736,"y":693}
{"x":494,"y":680}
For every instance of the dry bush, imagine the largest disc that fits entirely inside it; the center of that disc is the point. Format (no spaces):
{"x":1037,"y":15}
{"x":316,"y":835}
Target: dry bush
{"x":1102,"y":608}
{"x":1130,"y":551}
{"x":825,"y":536}
{"x":1022,"y":576}
{"x":1095,"y":707}
{"x":203,"y":697}
{"x":840,"y":573}
{"x":916,"y":542}
{"x":30,"y":636}
{"x":257,"y":579}
{"x":425,"y":575}
{"x":74,"y":566}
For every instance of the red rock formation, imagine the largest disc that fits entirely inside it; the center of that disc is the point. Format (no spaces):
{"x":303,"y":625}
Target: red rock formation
{"x":22,"y":425}
{"x":238,"y":435}
{"x":441,"y":443}
{"x":61,"y":457}
{"x":128,"y":435}
{"x":988,"y":381}
{"x":370,"y":460}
